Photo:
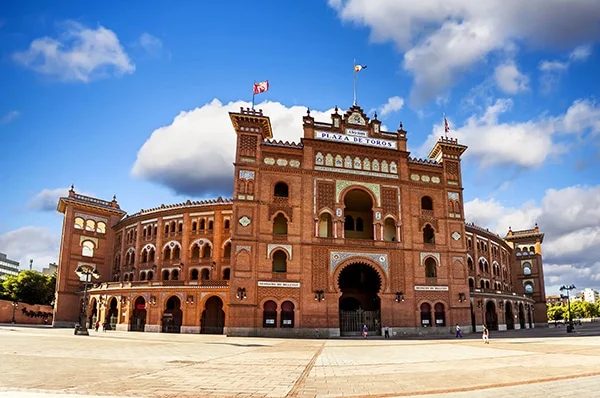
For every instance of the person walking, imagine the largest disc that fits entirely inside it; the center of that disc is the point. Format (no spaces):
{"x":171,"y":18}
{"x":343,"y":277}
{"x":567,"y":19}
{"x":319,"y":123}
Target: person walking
{"x":364,"y":331}
{"x":485,"y":335}
{"x":386,"y":332}
{"x":458,"y":331}
{"x":97,"y":326}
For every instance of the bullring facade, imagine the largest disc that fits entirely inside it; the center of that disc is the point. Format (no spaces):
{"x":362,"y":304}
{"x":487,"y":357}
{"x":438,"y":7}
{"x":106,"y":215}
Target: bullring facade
{"x":341,"y":230}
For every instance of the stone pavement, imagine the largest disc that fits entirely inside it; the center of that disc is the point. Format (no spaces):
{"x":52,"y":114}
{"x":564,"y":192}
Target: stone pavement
{"x":45,"y":362}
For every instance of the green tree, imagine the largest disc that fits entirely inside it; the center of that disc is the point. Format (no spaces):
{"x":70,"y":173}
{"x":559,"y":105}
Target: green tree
{"x":556,"y":312}
{"x":30,"y":287}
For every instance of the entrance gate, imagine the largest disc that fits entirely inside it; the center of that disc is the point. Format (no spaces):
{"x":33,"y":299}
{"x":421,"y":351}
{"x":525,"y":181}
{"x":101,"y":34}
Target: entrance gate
{"x":351,"y":322}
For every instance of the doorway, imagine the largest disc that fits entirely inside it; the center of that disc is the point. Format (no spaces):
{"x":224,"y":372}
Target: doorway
{"x":359,"y":304}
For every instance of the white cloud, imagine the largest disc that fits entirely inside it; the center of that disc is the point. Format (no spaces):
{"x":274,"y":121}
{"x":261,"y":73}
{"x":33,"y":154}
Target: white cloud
{"x":194,"y":154}
{"x":9,"y":117}
{"x":151,"y":44}
{"x":443,"y":38}
{"x":524,"y":144}
{"x":509,"y":79}
{"x":79,"y":54}
{"x":47,"y":199}
{"x":570,"y":219}
{"x":31,"y":243}
{"x":394,"y":104}
{"x":552,"y":69}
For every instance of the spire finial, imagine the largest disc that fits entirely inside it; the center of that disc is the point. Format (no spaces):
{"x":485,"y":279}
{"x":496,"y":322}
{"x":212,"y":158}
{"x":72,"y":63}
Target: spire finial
{"x":307,"y":111}
{"x":375,"y":115}
{"x":336,"y":109}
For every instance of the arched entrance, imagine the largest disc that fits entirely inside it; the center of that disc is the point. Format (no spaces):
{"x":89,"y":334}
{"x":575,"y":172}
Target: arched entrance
{"x":112,"y":315}
{"x":93,"y":314}
{"x":508,"y":316}
{"x":521,"y":316}
{"x":172,"y":317}
{"x":138,"y":317}
{"x":359,"y":303}
{"x":529,"y":317}
{"x":491,"y":316}
{"x":213,"y":316}
{"x":358,"y":215}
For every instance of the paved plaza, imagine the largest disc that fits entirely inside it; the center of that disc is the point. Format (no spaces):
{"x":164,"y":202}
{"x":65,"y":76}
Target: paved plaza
{"x":44,"y":362}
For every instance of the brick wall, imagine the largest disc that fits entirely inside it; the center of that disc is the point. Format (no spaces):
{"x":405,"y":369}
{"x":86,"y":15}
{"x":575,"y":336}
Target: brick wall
{"x":6,"y":311}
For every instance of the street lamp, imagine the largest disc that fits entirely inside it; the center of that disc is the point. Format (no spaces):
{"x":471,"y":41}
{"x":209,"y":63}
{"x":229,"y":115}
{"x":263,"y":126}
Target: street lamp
{"x":568,"y":289}
{"x":15,"y":304}
{"x":85,"y":272}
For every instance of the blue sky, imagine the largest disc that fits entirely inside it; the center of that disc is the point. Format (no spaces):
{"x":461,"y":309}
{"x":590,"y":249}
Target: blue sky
{"x":132,"y":99}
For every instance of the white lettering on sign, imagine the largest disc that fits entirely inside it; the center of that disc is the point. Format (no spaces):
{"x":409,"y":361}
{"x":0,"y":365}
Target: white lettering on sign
{"x":349,"y":139}
{"x":432,"y":288}
{"x":278,"y":284}
{"x":357,"y":133}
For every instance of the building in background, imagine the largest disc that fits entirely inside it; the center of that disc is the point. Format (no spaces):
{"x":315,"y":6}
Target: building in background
{"x":340,"y":230}
{"x":590,"y":295}
{"x":50,"y":270}
{"x":7,"y":266}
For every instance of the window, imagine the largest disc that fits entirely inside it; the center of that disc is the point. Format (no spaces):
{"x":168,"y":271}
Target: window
{"x":349,"y":223}
{"x":226,"y":274}
{"x":150,"y":275}
{"x":101,"y":227}
{"x":207,"y":251}
{"x":325,"y":226}
{"x":440,"y":315}
{"x":428,"y":234}
{"x":471,"y":284}
{"x":87,"y":249}
{"x":79,"y":222}
{"x":426,"y":203}
{"x":227,"y":250}
{"x":205,"y":274}
{"x":227,"y":224}
{"x":196,"y":251}
{"x":528,"y":288}
{"x":142,"y":276}
{"x":359,"y":224}
{"x":175,"y":275}
{"x":280,"y":226}
{"x":167,"y":253}
{"x":389,"y":230}
{"x":425,"y":315}
{"x":90,"y":225}
{"x":194,"y":275}
{"x":279,"y":261}
{"x":144,"y":256}
{"x":210,"y":225}
{"x":165,"y":275}
{"x":470,"y":264}
{"x":287,"y":314}
{"x":180,"y":227}
{"x":270,"y":314}
{"x":281,"y":190}
{"x":203,"y":224}
{"x":194,"y":226}
{"x":527,"y":269}
{"x":430,"y":268}
{"x":176,"y":253}
{"x":151,"y":255}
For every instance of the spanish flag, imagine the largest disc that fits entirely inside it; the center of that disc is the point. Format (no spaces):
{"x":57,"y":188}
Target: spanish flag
{"x":358,"y":68}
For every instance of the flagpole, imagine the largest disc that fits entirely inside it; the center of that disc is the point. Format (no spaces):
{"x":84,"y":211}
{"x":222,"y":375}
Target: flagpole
{"x":253,"y":94}
{"x":354,"y":82}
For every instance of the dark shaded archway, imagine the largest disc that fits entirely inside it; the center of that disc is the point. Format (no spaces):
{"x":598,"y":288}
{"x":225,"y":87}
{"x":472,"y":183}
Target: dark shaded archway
{"x":358,"y":215}
{"x":491,"y":316}
{"x":359,"y":303}
{"x":509,"y":316}
{"x":93,"y":314}
{"x":213,"y":316}
{"x":521,"y":316}
{"x":138,"y":316}
{"x":112,"y":315}
{"x":173,"y":316}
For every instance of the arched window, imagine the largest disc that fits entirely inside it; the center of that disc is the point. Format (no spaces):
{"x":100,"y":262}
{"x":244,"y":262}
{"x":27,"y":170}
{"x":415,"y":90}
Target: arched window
{"x":180,"y":227}
{"x":287,"y":314}
{"x":428,"y":234}
{"x":194,"y":226}
{"x":144,"y":256}
{"x":440,"y":314}
{"x":79,"y":222}
{"x":151,"y":255}
{"x":205,"y":274}
{"x":430,"y":268}
{"x":360,"y":225}
{"x":349,"y":223}
{"x":172,"y":226}
{"x":227,"y":250}
{"x":206,"y":251}
{"x":389,"y":230}
{"x":166,"y":229}
{"x":132,"y":258}
{"x":487,"y":284}
{"x":101,"y":227}
{"x":165,"y":275}
{"x":482,"y":284}
{"x":90,"y":225}
{"x":470,"y":264}
{"x":196,"y":251}
{"x":87,"y":249}
{"x":527,"y":269}
{"x":126,"y":278}
{"x":280,"y":226}
{"x":426,"y":203}
{"x":176,"y":253}
{"x":142,"y":276}
{"x":528,"y":288}
{"x":150,"y":275}
{"x":211,"y":224}
{"x":202,"y":224}
{"x":227,"y":224}
{"x":425,"y":315}
{"x":194,"y":275}
{"x":471,"y":284}
{"x":469,"y":243}
{"x":270,"y":314}
{"x":175,"y":275}
{"x":279,"y":261}
{"x":226,"y":274}
{"x":481,"y":265}
{"x":167,"y":253}
{"x":325,"y":226}
{"x":281,"y":190}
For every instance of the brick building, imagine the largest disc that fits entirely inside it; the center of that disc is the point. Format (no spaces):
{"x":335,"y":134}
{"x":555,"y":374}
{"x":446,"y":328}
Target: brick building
{"x":341,"y":230}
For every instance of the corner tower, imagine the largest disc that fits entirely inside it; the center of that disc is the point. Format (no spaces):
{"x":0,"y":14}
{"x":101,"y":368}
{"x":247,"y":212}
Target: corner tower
{"x":87,"y":238}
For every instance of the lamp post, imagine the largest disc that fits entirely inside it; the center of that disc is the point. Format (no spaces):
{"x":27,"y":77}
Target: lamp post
{"x":85,"y":272}
{"x":568,"y":289}
{"x":15,"y":304}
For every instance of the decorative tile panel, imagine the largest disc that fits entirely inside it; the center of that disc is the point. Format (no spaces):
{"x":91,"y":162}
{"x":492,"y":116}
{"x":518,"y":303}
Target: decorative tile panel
{"x":337,"y":257}
{"x":239,"y":248}
{"x":434,"y":255}
{"x":273,"y":246}
{"x":247,"y":174}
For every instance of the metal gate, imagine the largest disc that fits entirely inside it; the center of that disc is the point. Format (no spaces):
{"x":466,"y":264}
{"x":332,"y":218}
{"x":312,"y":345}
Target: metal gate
{"x":351,"y":322}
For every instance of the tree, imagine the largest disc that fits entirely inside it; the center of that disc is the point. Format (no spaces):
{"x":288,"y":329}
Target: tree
{"x":30,"y":287}
{"x":556,"y":312}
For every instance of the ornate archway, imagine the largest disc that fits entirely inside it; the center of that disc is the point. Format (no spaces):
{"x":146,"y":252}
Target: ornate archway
{"x":173,"y":316}
{"x":138,"y":315}
{"x":213,"y":316}
{"x":509,"y":316}
{"x":359,"y":302}
{"x":491,"y":316}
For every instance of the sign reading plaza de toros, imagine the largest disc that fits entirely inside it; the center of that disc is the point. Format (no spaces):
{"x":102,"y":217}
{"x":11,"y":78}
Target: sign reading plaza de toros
{"x":351,"y":137}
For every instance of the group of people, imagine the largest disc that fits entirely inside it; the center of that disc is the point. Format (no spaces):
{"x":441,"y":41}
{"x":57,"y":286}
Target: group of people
{"x":485,"y":335}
